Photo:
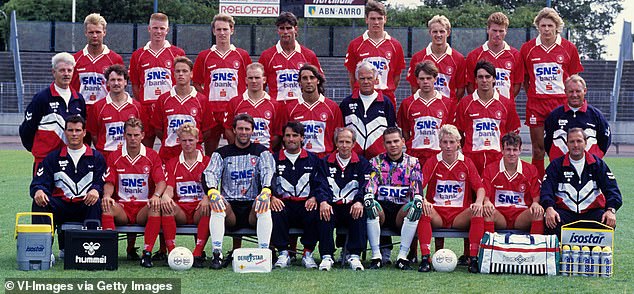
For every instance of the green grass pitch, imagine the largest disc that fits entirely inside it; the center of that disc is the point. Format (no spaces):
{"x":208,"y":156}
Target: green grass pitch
{"x":15,"y":177}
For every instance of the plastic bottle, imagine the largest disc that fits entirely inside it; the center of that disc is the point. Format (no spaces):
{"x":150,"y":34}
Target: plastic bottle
{"x":606,"y":261}
{"x":577,"y":265}
{"x":566,"y":261}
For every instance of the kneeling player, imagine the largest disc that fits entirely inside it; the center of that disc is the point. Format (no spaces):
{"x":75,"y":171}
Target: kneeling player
{"x":301,"y":197}
{"x":183,"y":185}
{"x":451,"y":178}
{"x":347,"y":175}
{"x":512,"y":187}
{"x":243,"y":199}
{"x":395,"y":180}
{"x":135,"y":172}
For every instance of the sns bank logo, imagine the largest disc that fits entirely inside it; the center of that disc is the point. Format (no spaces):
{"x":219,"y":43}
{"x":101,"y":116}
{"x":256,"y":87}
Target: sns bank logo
{"x":91,"y":247}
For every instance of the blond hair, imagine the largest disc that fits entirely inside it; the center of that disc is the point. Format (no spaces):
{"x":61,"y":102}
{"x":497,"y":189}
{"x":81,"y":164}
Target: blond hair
{"x":441,"y":19}
{"x":498,"y":18}
{"x":551,"y":14}
{"x":223,"y":17}
{"x":95,"y":19}
{"x":187,"y":128}
{"x":451,"y":130}
{"x":159,"y":17}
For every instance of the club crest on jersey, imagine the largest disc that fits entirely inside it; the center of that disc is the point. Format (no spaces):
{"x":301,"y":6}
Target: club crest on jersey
{"x":54,"y":105}
{"x":146,"y":169}
{"x":449,"y":69}
{"x":508,"y":65}
{"x":353,"y":107}
{"x":562,"y":122}
{"x":268,"y":114}
{"x":498,"y":114}
{"x":254,"y":161}
{"x":236,"y":64}
{"x":193,"y":111}
{"x":168,"y":63}
{"x":299,"y":65}
{"x":439,"y":114}
{"x":388,"y":54}
{"x":568,"y":175}
{"x":462,"y":176}
{"x":560,"y":59}
{"x":333,"y":171}
{"x":522,"y":187}
{"x":323,"y":116}
{"x":280,"y":169}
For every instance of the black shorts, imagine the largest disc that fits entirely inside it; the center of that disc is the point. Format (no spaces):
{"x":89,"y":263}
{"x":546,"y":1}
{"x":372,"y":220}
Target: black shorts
{"x":390,"y":209}
{"x":242,"y":210}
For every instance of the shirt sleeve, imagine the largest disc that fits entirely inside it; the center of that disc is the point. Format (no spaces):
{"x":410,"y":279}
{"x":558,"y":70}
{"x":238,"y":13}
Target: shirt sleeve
{"x":199,"y":69}
{"x":99,"y":170}
{"x":549,"y":185}
{"x":267,"y":169}
{"x":32,"y":117}
{"x":609,"y":188}
{"x":213,"y":172}
{"x":43,"y":178}
{"x":319,"y":185}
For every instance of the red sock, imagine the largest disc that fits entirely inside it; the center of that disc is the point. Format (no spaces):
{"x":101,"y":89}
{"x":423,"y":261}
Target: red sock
{"x":202,"y":234}
{"x":424,"y":234}
{"x":476,"y":231}
{"x":107,"y":222}
{"x":489,"y":226}
{"x":537,"y":227}
{"x":539,"y":164}
{"x":152,"y":229}
{"x":169,"y":231}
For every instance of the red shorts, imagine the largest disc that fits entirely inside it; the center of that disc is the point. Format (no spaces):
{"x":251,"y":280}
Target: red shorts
{"x":510,"y":215}
{"x":448,"y":214}
{"x":189,"y":208}
{"x":483,"y":158}
{"x":537,"y":110}
{"x":132,"y":208}
{"x":148,"y":109}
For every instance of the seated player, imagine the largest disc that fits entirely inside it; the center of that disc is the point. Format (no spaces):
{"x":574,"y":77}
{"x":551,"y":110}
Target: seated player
{"x":451,"y":179}
{"x":512,"y":187}
{"x":395,"y":184}
{"x":190,"y":205}
{"x":301,"y":198}
{"x":134,"y":185}
{"x":347,"y":175}
{"x":238,"y":181}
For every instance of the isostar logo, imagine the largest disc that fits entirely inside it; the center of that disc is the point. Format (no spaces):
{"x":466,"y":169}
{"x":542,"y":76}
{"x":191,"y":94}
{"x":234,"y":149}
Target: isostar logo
{"x":251,"y":257}
{"x":585,"y":237}
{"x":91,"y":247}
{"x":591,"y":238}
{"x":35,"y":248}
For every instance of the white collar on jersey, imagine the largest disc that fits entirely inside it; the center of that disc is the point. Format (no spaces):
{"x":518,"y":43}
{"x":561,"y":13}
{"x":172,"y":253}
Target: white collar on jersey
{"x":538,"y":40}
{"x":199,"y":156}
{"x":106,"y":50}
{"x":428,"y":51}
{"x":386,"y":36}
{"x":193,"y":93}
{"x":124,"y":150}
{"x":166,"y":44}
{"x":245,"y":95}
{"x":231,"y":48}
{"x":278,"y":46}
{"x":519,"y":166}
{"x":321,"y":99}
{"x":496,"y":95}
{"x":109,"y":99}
{"x":485,"y":47}
{"x":460,"y":156}
{"x":437,"y":95}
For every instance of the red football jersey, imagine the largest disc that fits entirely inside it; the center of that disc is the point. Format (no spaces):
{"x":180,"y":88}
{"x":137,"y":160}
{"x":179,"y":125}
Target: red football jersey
{"x":171,"y":111}
{"x":451,"y":70}
{"x":387,"y":56}
{"x":134,"y":178}
{"x":517,"y":190}
{"x":421,"y":120}
{"x":451,"y":185}
{"x":106,"y":122}
{"x":509,"y":69}
{"x":186,"y":179}
{"x":320,"y":121}
{"x":263,"y":113}
{"x":153,"y":71}
{"x":282,"y":69}
{"x":88,"y":78}
{"x":223,"y":76}
{"x":548,"y":68}
{"x":484,"y":124}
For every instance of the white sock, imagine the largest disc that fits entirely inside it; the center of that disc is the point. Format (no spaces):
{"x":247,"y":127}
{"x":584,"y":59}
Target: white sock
{"x":217,"y":230}
{"x":408,"y":231}
{"x":264,"y":228}
{"x":374,"y":233}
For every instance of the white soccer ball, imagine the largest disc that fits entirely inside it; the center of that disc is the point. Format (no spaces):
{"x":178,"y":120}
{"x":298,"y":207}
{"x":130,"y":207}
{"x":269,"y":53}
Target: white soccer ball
{"x":444,"y":260}
{"x":180,"y":259}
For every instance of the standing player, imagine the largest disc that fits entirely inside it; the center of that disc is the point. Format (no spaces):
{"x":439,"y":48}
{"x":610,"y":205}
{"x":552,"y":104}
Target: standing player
{"x":257,"y":103}
{"x":395,"y":184}
{"x":451,"y":178}
{"x":92,"y":61}
{"x":378,"y":48}
{"x":186,"y":201}
{"x":450,"y":63}
{"x":508,"y":64}
{"x":301,"y":199}
{"x":42,"y":130}
{"x":219,"y":73}
{"x":283,"y":61}
{"x":483,"y":117}
{"x":105,"y":122}
{"x":576,"y":113}
{"x":319,"y":115}
{"x":152,"y":69}
{"x":548,"y":61}
{"x":368,"y":111}
{"x":245,"y":170}
{"x":347,"y":176}
{"x":422,"y":114}
{"x":181,"y":104}
{"x":135,"y":182}
{"x":512,"y":187}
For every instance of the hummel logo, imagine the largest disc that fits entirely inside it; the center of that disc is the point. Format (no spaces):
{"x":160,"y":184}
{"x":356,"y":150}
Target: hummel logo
{"x":211,"y":66}
{"x":28,"y":115}
{"x":169,"y":110}
{"x":91,"y":247}
{"x":364,"y":54}
{"x":277,"y":66}
{"x":473,"y":114}
{"x":147,"y":64}
{"x":40,"y":171}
